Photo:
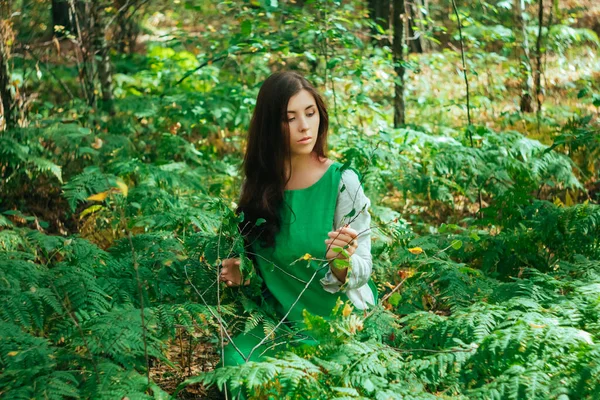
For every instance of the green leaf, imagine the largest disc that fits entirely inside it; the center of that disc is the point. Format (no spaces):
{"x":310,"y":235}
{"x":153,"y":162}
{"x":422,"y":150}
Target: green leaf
{"x":583,"y":92}
{"x":333,"y":62}
{"x":457,"y":244}
{"x":395,"y":299}
{"x":341,"y":264}
{"x":310,"y":56}
{"x":260,"y":221}
{"x":246,"y":27}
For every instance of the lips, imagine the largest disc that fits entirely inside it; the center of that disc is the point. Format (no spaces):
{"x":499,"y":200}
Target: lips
{"x":305,"y":139}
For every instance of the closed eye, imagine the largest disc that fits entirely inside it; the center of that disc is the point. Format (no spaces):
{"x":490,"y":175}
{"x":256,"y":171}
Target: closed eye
{"x":308,"y":115}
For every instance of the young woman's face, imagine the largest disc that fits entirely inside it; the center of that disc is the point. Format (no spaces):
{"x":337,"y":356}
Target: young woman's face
{"x":303,"y":121}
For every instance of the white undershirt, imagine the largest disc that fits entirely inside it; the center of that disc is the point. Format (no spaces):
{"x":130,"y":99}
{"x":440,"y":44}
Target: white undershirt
{"x":352,"y":197}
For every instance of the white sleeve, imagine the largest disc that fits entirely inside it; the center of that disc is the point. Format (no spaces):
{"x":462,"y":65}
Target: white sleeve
{"x":352,"y":197}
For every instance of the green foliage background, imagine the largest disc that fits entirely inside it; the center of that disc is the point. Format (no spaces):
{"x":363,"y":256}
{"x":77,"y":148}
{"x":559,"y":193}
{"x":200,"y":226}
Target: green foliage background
{"x":488,"y":255}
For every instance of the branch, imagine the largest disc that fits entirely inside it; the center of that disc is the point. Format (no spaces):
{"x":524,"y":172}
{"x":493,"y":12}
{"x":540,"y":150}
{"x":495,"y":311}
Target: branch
{"x":208,"y":62}
{"x":50,"y":71}
{"x":288,"y":312}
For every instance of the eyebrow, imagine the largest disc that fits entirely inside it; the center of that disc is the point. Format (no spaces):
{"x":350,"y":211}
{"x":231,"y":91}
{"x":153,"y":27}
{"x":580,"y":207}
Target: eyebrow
{"x":294,"y":112}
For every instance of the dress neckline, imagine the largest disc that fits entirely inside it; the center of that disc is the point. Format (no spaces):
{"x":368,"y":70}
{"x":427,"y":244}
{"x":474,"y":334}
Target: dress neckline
{"x":314,"y":184}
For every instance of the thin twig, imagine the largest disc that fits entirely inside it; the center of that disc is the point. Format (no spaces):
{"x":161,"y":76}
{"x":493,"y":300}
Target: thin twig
{"x":288,"y":312}
{"x":209,"y":62}
{"x":141,"y":295}
{"x":50,"y":71}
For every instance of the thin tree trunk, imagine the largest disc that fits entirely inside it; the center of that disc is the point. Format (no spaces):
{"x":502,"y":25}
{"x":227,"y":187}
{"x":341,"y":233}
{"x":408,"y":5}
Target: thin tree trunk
{"x":525,"y":62}
{"x":60,"y":17}
{"x":126,"y":29}
{"x":422,"y":24}
{"x":538,"y":56}
{"x":464,"y":68}
{"x":7,"y":97}
{"x":398,"y":56}
{"x":104,"y":67}
{"x":414,"y":14}
{"x":83,"y":20}
{"x":379,"y":11}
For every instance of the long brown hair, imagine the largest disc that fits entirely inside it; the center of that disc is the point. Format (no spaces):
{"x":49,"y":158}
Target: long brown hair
{"x":267,"y":150}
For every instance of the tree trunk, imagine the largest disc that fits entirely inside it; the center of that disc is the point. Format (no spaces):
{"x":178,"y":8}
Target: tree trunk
{"x":61,"y":17}
{"x":7,"y":98}
{"x":379,"y":11}
{"x":414,"y":14}
{"x":126,"y":28}
{"x":398,"y":56}
{"x":83,"y":19}
{"x":538,"y":56}
{"x":525,"y":62}
{"x":101,"y":48}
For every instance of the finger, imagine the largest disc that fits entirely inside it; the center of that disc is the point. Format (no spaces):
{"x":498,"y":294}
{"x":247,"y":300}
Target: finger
{"x":224,"y":270}
{"x":229,"y":283}
{"x":348,"y":231}
{"x":339,"y":235}
{"x":336,"y":243}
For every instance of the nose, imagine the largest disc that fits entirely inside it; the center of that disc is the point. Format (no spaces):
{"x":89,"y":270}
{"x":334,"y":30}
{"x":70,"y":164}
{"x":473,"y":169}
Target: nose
{"x":303,"y":124}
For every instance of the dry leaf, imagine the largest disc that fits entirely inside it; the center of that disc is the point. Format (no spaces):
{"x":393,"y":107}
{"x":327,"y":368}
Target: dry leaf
{"x":123,"y":187}
{"x":99,"y":196}
{"x":97,"y":143}
{"x":415,"y":250}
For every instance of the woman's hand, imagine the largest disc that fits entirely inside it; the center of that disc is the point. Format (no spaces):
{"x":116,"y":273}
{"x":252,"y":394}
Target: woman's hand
{"x":230,"y":272}
{"x":346,"y":238}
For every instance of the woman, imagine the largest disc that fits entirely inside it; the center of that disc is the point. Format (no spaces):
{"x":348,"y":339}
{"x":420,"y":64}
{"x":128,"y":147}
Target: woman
{"x":307,"y":202}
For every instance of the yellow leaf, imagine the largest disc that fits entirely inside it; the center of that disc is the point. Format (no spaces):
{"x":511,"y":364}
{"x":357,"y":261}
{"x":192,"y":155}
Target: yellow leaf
{"x":406,"y":273}
{"x":90,"y":210}
{"x":347,"y":310}
{"x":389,"y":285}
{"x":415,"y":250}
{"x":123,"y":187}
{"x":99,"y":196}
{"x":306,"y":257}
{"x":557,"y":202}
{"x":568,"y":200}
{"x":12,"y":353}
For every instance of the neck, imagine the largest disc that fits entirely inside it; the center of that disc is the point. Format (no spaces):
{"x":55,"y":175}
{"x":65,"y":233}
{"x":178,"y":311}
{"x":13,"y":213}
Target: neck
{"x":300,"y":162}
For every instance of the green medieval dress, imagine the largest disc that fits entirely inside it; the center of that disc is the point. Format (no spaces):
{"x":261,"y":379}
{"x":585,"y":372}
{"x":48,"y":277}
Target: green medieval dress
{"x":307,"y":216}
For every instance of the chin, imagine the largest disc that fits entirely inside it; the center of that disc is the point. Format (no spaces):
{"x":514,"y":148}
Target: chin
{"x":305,"y":150}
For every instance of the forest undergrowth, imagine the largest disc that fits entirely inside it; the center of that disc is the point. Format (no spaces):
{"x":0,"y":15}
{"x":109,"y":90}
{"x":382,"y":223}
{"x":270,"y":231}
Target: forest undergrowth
{"x":485,"y":236}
